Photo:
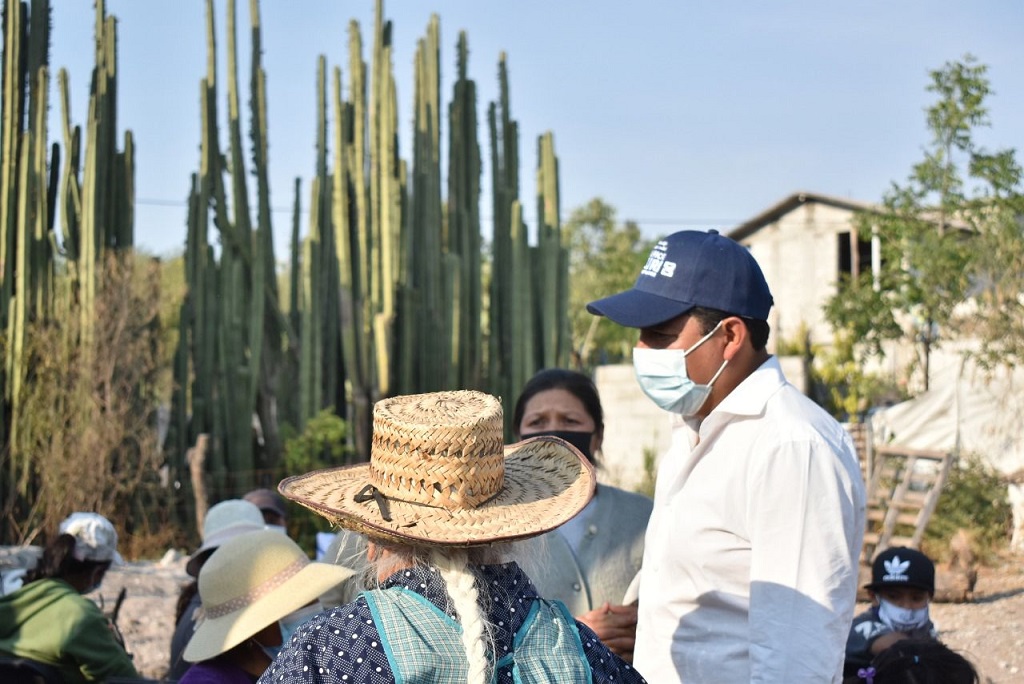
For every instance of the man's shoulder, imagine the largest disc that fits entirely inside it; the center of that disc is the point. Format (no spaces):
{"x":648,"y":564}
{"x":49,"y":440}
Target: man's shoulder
{"x":797,"y":413}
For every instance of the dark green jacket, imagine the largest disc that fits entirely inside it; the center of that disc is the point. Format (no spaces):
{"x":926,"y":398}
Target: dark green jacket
{"x":49,"y":622}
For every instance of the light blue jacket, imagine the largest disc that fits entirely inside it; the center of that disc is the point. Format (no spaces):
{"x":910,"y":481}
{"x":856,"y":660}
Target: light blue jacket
{"x":608,"y":557}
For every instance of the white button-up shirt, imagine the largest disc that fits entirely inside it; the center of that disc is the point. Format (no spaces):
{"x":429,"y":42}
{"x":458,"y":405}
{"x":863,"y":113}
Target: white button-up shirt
{"x":751,"y":559}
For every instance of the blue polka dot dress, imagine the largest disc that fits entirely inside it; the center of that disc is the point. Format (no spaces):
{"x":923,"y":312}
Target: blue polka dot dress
{"x":348,"y":644}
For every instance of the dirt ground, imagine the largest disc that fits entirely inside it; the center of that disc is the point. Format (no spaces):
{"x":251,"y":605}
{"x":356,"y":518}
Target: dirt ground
{"x":989,"y":630}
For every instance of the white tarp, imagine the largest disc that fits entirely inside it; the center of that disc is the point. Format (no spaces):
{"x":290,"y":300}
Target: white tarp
{"x":969,"y":411}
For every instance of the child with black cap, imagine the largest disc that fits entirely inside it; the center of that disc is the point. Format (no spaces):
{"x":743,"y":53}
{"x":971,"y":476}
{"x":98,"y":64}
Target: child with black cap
{"x":902,"y":586}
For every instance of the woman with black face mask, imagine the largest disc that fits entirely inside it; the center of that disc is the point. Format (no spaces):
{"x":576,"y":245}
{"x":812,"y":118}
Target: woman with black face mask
{"x":590,"y":562}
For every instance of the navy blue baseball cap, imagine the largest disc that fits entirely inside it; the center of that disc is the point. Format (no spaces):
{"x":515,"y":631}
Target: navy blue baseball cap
{"x":688,"y":269}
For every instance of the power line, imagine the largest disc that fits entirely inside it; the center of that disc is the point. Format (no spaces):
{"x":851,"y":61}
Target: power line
{"x":156,"y":202}
{"x":658,"y":221}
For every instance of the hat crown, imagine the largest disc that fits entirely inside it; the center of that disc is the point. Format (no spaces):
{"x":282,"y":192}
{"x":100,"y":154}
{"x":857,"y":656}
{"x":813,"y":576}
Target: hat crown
{"x":246,"y":568}
{"x":903,"y":566}
{"x":708,"y":270}
{"x":230,"y":513}
{"x":95,"y":536}
{"x":266,"y":500}
{"x":442,"y":449}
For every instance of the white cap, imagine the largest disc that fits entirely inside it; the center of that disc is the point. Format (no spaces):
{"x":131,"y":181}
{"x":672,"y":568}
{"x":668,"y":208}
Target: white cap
{"x":95,"y":537}
{"x":223,"y":521}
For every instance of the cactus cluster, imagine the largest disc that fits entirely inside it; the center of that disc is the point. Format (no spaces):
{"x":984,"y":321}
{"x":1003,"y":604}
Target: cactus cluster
{"x":388,"y":291}
{"x":234,"y":337}
{"x":46,"y":281}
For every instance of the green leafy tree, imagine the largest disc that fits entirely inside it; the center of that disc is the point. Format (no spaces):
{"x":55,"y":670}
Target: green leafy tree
{"x":973,"y":499}
{"x":949,"y":233}
{"x":604,"y":258}
{"x":323,"y":443}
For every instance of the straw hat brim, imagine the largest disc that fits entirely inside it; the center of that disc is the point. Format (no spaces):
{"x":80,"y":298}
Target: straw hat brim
{"x":214,"y":636}
{"x":546,"y":482}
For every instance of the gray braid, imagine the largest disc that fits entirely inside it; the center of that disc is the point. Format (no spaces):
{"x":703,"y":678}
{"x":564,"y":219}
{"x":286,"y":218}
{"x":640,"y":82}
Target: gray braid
{"x":461,"y":584}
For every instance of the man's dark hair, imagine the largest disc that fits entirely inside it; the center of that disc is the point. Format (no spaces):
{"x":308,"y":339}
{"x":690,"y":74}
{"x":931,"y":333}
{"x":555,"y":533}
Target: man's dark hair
{"x":709,"y":318}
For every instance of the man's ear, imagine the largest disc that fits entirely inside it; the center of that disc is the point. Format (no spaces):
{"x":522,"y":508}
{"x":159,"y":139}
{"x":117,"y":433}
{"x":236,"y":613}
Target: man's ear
{"x":735,"y":334}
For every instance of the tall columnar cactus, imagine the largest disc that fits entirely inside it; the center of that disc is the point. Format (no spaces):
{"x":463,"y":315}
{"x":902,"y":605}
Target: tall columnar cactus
{"x":319,"y":379}
{"x":27,"y":199}
{"x":427,"y":277}
{"x":387,"y":290}
{"x":236,"y":333}
{"x":387,"y":193}
{"x":368,"y":200}
{"x":464,"y":169}
{"x":520,"y":310}
{"x":104,"y":207}
{"x":511,"y":355}
{"x":550,"y":264}
{"x":96,"y":200}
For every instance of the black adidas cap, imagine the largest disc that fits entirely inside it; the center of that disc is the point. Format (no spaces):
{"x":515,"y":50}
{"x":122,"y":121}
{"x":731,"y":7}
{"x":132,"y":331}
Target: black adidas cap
{"x":902,"y":566}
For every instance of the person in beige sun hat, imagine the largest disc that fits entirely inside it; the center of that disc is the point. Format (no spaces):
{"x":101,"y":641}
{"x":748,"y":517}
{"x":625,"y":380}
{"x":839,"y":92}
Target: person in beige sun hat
{"x":225,"y":520}
{"x":438,"y":502}
{"x":255,"y":589}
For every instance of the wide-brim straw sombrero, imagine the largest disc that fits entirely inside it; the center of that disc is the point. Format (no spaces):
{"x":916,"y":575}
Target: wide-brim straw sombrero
{"x":440,"y":475}
{"x":251,"y":581}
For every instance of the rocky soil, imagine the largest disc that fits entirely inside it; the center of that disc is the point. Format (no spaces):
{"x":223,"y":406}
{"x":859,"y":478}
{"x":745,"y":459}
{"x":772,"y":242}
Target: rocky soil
{"x":989,"y":629}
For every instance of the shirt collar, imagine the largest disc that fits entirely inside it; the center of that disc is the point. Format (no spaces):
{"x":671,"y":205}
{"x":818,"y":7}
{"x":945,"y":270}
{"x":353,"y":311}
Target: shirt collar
{"x":746,"y":399}
{"x":750,"y":396}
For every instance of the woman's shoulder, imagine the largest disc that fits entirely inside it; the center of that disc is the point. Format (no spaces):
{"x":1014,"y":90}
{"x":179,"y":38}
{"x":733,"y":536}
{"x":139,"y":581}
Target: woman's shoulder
{"x":56,"y":594}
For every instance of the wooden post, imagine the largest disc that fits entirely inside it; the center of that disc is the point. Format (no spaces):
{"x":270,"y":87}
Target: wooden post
{"x":196,"y":459}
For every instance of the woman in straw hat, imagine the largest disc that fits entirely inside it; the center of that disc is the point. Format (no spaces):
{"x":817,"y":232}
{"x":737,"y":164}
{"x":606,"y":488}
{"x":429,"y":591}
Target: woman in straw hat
{"x":48,"y":620}
{"x":438,"y":500}
{"x":254,"y":587}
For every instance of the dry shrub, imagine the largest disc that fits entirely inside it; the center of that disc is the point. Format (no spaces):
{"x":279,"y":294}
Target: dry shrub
{"x":87,"y":432}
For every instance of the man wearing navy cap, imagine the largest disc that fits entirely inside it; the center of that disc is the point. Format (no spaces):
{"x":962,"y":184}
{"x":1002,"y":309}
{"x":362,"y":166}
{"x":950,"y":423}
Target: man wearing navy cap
{"x":750,"y":561}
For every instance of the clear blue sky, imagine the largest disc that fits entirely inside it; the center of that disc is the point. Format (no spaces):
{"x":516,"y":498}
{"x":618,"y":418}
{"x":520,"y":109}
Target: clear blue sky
{"x":678,"y":113}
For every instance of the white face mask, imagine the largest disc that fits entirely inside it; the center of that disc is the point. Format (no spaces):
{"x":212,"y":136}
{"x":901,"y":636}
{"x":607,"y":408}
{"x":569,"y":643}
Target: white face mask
{"x":901,"y":619}
{"x":663,"y":378}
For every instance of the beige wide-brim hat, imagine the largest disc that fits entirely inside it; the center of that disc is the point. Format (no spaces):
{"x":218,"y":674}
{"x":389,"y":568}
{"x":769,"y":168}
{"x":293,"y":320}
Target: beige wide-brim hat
{"x":439,"y":475}
{"x":251,"y":581}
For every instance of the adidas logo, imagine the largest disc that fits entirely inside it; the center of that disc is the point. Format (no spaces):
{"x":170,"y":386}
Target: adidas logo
{"x":895,"y":570}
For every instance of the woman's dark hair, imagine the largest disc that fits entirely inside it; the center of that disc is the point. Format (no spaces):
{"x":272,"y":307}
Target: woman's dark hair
{"x":59,"y":562}
{"x":577,"y":384}
{"x":709,"y":318}
{"x":920,"y":661}
{"x":188,"y":592}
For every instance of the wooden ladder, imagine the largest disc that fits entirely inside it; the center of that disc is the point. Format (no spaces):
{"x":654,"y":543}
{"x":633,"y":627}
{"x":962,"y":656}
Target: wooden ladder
{"x":902,"y":492}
